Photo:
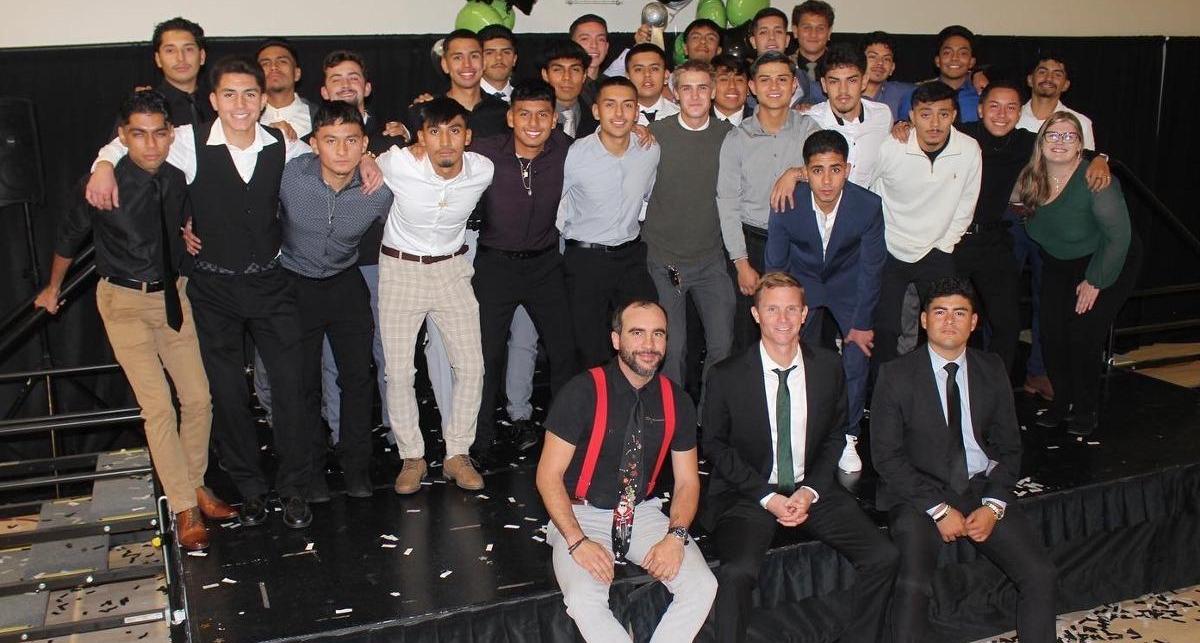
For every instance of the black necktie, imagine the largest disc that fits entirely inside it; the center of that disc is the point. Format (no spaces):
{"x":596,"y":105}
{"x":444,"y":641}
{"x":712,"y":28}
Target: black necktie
{"x":786,"y":480}
{"x":191,"y":101}
{"x":958,"y":453}
{"x":629,"y":481}
{"x":650,"y":114}
{"x":170,"y":291}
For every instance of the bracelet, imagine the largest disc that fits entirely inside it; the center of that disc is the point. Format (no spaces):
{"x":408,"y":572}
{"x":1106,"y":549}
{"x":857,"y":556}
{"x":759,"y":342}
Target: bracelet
{"x":572,"y":548}
{"x":941,"y":512}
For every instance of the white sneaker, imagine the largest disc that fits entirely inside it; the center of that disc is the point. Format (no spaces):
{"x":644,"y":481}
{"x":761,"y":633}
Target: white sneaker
{"x":850,"y":462}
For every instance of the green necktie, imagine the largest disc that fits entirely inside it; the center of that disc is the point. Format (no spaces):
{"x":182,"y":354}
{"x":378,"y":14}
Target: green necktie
{"x":783,"y":426}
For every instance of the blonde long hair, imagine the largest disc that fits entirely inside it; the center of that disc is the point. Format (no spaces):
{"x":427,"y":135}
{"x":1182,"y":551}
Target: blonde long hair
{"x":1033,"y":184}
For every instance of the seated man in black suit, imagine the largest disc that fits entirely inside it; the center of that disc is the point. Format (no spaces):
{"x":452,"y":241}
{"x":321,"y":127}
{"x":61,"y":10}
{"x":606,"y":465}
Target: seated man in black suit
{"x":759,"y":481}
{"x":947,"y":464}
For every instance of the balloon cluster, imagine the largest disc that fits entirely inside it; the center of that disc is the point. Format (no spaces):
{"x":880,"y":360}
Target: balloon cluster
{"x":732,"y":15}
{"x":477,"y":14}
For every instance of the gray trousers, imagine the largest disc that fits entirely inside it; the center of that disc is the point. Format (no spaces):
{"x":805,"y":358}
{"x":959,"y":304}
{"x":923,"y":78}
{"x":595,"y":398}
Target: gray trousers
{"x":586,"y":598}
{"x":711,"y":289}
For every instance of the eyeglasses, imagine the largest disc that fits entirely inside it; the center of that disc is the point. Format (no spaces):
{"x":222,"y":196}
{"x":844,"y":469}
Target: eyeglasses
{"x":1062,"y":137}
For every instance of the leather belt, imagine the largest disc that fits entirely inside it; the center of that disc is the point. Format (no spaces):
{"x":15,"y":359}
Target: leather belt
{"x":144,"y":286}
{"x":601,"y":247}
{"x":518,"y":254}
{"x":396,"y":254}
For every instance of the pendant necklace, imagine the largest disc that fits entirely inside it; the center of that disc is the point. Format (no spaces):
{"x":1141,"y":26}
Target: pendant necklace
{"x":526,"y":174}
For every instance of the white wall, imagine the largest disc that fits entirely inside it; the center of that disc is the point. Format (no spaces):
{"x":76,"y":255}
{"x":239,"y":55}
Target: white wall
{"x":31,"y":23}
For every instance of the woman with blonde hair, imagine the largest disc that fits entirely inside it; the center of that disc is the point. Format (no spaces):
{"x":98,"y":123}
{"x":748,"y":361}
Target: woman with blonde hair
{"x":1091,"y":258}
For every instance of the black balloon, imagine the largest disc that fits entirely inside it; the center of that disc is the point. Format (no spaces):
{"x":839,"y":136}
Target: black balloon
{"x":737,"y":43}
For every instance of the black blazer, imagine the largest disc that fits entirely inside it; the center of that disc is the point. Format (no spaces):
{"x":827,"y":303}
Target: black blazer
{"x":737,"y":432}
{"x":910,"y":439}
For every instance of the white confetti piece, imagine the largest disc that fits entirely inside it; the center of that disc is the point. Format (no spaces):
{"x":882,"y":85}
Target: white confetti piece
{"x":1093,"y":443}
{"x":197,"y":554}
{"x":426,"y":483}
{"x":488,"y":548}
{"x":395,"y":594}
{"x":211,"y":585}
{"x":538,"y":538}
{"x":482,"y":496}
{"x":1051,"y":447}
{"x":344,"y":610}
{"x":408,"y":551}
{"x":512,"y":500}
{"x":228,"y":581}
{"x":309,"y":546}
{"x":445,"y":573}
{"x":388,"y":546}
{"x":531,"y":519}
{"x":413,"y":511}
{"x":388,"y":537}
{"x":511,"y":527}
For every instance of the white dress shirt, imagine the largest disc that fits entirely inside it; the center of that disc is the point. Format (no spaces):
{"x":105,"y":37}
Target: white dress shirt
{"x":825,"y":221}
{"x":1032,"y":123}
{"x":662,"y":109}
{"x":183,"y":150}
{"x":927,"y":204}
{"x":504,"y":94}
{"x":295,"y":114}
{"x":733,"y":119}
{"x":865,"y":135}
{"x":977,"y":460}
{"x":690,"y":128}
{"x":798,"y":393}
{"x":429,"y":214}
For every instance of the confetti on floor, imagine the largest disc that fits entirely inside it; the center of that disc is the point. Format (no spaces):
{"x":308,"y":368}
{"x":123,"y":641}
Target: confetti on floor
{"x":1172,"y":617}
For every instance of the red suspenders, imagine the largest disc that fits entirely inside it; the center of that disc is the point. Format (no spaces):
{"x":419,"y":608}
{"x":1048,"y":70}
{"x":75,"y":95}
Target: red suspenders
{"x":600,"y":423}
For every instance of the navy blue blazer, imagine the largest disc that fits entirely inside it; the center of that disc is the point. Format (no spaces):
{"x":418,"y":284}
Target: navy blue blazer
{"x":845,"y":280}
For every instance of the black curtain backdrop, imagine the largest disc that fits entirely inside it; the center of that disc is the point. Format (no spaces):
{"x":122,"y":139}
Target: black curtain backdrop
{"x":76,"y":90}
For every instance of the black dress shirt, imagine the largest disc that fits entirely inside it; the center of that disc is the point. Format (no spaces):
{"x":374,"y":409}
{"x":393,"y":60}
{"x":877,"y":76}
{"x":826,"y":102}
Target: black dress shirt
{"x":1003,"y":158}
{"x":128,"y":237}
{"x":184,"y":106}
{"x":514,"y":218}
{"x":487,"y":119}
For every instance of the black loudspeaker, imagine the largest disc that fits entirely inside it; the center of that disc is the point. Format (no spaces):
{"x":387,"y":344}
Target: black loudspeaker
{"x":20,"y":158}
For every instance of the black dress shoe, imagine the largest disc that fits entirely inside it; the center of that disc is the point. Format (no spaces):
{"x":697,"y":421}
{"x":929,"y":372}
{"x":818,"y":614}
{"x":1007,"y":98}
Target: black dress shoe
{"x":296,"y":513}
{"x":526,"y":436}
{"x":1052,"y":418}
{"x":318,"y":489}
{"x":253,"y":511}
{"x":358,"y":484}
{"x":1082,"y":424}
{"x":488,"y":460}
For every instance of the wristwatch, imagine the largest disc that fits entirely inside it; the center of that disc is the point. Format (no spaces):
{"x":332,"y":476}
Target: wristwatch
{"x":681,"y":533}
{"x":996,"y":509}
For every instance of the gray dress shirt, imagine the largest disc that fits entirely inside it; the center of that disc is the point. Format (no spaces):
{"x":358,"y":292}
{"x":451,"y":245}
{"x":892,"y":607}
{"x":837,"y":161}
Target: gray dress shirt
{"x":604,"y":196}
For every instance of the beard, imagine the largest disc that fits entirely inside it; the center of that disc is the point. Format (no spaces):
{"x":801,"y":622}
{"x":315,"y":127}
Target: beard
{"x":630,"y":359}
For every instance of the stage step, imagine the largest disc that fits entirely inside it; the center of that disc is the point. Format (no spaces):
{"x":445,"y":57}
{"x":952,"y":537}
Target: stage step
{"x":1177,"y":363}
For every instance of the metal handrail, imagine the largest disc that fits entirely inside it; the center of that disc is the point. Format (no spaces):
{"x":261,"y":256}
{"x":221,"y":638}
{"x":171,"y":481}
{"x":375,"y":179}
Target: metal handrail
{"x":55,"y":423}
{"x":98,"y":414}
{"x":58,"y":372}
{"x":84,"y":256}
{"x":25,"y":318}
{"x":66,"y":478}
{"x":1129,"y":179}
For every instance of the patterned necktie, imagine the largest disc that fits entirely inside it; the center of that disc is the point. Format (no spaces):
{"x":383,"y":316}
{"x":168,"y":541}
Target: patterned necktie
{"x":783,"y":427}
{"x":958,"y":453}
{"x":650,"y":114}
{"x":170,"y":290}
{"x":629,"y":481}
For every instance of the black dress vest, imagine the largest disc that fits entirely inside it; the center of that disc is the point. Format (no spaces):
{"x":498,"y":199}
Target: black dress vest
{"x":238,"y":221}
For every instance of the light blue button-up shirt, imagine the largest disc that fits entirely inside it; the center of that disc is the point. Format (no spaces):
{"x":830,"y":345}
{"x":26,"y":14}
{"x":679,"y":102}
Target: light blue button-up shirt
{"x":604,"y":196}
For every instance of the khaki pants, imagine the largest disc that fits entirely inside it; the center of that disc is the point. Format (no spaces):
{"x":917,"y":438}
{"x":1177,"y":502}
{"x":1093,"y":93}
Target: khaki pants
{"x":136,"y":323}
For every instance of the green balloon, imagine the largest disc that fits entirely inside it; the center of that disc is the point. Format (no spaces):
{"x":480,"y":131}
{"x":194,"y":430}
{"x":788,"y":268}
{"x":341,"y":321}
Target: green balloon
{"x":680,"y":55}
{"x":476,"y":16}
{"x":742,"y":11}
{"x":713,"y":10}
{"x":508,"y":17}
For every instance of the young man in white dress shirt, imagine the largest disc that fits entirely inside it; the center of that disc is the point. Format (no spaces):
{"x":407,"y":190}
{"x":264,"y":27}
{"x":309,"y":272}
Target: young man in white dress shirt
{"x":646,"y":66}
{"x":732,"y":89}
{"x":1048,"y":81}
{"x":423,"y":272}
{"x":285,"y":109}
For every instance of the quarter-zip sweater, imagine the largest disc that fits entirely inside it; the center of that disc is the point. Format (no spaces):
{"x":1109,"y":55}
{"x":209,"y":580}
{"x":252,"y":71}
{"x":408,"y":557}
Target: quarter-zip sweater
{"x":927,"y":203}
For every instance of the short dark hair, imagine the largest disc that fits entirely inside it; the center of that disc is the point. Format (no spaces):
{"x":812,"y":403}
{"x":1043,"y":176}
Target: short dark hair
{"x":955,"y":30}
{"x":585,"y":19}
{"x":235,"y":64}
{"x":493,"y":32}
{"x":177,"y":24}
{"x":702,"y":23}
{"x":932,"y":92}
{"x":339,"y":56}
{"x":772,"y":57}
{"x":279,"y":42}
{"x":815,"y":7}
{"x":617,"y":321}
{"x":841,"y":54}
{"x":615,"y":81}
{"x":442,"y":110}
{"x":1000,"y":83}
{"x":947,"y":287}
{"x":878,"y":38}
{"x":568,"y":49}
{"x":336,"y":112}
{"x":732,"y":64}
{"x":1051,"y":54}
{"x":769,"y":12}
{"x":645,"y":48}
{"x":146,"y":101}
{"x":460,"y":34}
{"x":532,"y":90}
{"x":825,"y":141}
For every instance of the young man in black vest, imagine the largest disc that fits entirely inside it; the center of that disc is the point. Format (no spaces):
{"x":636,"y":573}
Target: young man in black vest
{"x":606,"y":429}
{"x":233,"y":168}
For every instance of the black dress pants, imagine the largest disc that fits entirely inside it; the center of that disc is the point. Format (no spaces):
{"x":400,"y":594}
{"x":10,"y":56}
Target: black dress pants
{"x":897,"y":275}
{"x":263,"y":303}
{"x":745,"y":329}
{"x":599,"y":281}
{"x":503,"y":281}
{"x":338,"y":307}
{"x":1072,"y":344}
{"x":744,"y":533}
{"x":986,"y":258}
{"x":1013,"y":546}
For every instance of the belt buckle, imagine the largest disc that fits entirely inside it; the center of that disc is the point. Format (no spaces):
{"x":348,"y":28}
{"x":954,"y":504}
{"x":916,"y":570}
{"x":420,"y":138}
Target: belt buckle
{"x":427,"y":259}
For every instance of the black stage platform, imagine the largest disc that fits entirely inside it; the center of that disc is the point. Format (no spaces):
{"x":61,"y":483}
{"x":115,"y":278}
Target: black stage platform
{"x":1119,"y":512}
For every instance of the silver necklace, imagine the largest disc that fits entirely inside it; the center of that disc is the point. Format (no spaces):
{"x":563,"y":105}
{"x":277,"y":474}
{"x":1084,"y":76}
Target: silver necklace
{"x":526,"y":174}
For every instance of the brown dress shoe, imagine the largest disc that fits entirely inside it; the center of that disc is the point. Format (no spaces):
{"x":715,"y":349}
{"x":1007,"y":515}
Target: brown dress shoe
{"x":213,"y":507}
{"x":190,"y":531}
{"x":1039,"y":385}
{"x":462,"y":472}
{"x":411,"y":475}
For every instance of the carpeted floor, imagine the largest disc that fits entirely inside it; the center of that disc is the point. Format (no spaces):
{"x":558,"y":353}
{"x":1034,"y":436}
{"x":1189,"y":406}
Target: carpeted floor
{"x":1167,"y":617}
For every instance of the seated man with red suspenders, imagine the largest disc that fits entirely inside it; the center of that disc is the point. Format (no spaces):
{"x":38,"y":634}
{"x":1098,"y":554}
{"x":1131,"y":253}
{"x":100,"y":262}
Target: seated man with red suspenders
{"x":624,"y":418}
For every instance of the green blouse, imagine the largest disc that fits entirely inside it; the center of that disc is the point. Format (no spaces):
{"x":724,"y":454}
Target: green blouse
{"x":1080,"y":223}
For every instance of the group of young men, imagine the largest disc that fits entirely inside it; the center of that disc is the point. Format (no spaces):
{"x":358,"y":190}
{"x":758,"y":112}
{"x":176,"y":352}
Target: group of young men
{"x":803,"y":204}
